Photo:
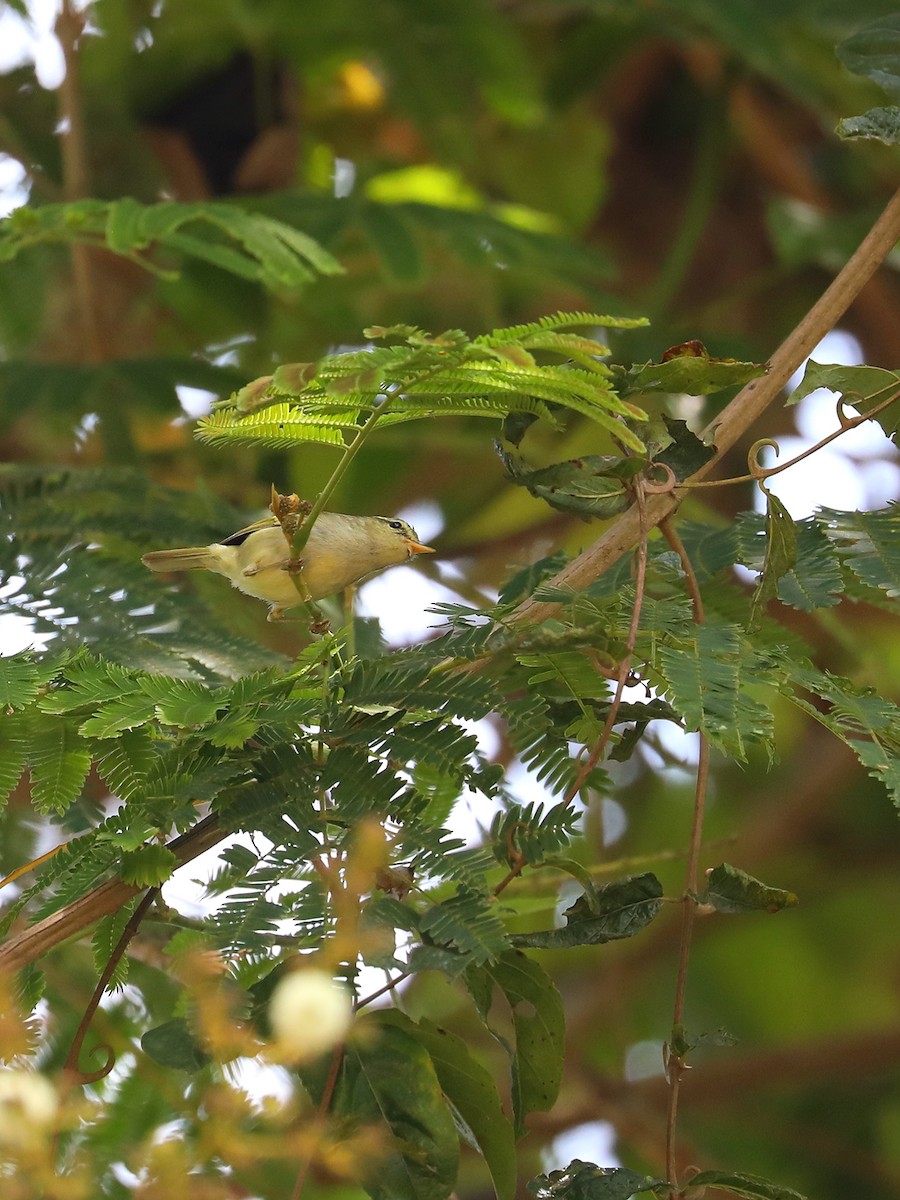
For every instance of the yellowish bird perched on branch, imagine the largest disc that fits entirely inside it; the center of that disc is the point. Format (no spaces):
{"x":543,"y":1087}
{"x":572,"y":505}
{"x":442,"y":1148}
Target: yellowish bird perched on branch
{"x":342,"y":550}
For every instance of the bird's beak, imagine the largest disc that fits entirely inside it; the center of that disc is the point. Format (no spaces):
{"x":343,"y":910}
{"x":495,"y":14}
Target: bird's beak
{"x":417,"y":547}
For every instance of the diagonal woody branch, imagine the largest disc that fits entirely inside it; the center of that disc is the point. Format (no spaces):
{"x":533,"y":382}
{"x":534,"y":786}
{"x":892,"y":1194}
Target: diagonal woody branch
{"x":740,"y":415}
{"x":108,"y":897}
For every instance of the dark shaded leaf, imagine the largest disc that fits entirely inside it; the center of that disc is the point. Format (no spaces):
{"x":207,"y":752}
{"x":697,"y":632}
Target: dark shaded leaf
{"x":593,"y":486}
{"x":730,"y":890}
{"x":173,"y":1045}
{"x":586,"y":1181}
{"x":539,"y":1028}
{"x":469,"y":1087}
{"x":874,"y":52}
{"x":882,"y":124}
{"x":686,"y":453}
{"x":390,"y":1081}
{"x":616,"y":910}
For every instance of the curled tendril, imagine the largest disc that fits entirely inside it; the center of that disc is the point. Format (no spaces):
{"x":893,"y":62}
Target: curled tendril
{"x":656,"y":488}
{"x":82,"y":1077}
{"x":754,"y":466}
{"x":846,"y":422}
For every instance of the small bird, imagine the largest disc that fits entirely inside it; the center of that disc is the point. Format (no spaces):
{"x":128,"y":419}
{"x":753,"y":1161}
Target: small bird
{"x":341,"y":550}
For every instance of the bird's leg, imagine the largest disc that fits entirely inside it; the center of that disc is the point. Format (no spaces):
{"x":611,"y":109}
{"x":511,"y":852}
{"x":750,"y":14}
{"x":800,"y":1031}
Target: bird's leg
{"x":249,"y":572}
{"x":293,"y":566}
{"x":277,"y":613}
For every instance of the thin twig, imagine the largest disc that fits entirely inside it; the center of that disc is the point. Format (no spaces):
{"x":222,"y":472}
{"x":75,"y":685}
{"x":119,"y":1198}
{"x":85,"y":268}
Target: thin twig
{"x":70,"y":1066}
{"x":675,"y":1063}
{"x":625,"y":665}
{"x":35,"y":941}
{"x":337,"y":1057}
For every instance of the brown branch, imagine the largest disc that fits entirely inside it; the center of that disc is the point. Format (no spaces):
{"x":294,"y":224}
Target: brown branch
{"x":741,"y":414}
{"x":32,"y":943}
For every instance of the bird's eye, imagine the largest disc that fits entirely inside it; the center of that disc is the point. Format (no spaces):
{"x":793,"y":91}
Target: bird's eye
{"x":395,"y":524}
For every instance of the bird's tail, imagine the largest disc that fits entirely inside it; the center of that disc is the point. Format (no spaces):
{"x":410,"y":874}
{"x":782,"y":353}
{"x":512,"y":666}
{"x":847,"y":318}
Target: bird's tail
{"x":191,"y":558}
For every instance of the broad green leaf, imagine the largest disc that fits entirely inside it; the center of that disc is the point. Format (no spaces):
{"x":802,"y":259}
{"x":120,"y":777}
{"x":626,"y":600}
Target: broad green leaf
{"x":694,"y":374}
{"x":471,"y":1090}
{"x":586,"y":1181}
{"x":616,"y":910}
{"x":124,"y":226}
{"x":392,"y":240}
{"x":173,"y":1045}
{"x":730,"y":890}
{"x":524,"y":582}
{"x":682,"y":1042}
{"x":862,"y":387}
{"x":59,"y":766}
{"x":781,"y":556}
{"x":685,"y":453}
{"x":539,"y":1029}
{"x":741,"y":1184}
{"x":389,"y":1081}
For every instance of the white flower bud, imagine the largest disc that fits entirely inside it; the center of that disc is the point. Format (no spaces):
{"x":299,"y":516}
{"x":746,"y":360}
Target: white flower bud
{"x":28,"y":1104}
{"x":309,"y":1013}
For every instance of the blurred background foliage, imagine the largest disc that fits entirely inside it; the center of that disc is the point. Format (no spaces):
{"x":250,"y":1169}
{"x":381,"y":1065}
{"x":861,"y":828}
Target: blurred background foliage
{"x":473,"y":164}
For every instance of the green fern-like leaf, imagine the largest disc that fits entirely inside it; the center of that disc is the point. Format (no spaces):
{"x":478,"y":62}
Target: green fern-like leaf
{"x":126,"y":764}
{"x":430,"y":376}
{"x":555,"y":321}
{"x":467,"y":924}
{"x":709,"y":678}
{"x":15,"y":737}
{"x":815,"y":580}
{"x":869,"y":543}
{"x":104,"y":939}
{"x":868,"y":723}
{"x":59,"y":765}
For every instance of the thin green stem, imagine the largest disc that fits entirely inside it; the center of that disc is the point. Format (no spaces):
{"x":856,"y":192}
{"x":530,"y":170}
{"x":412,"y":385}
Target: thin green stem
{"x":675,"y":1062}
{"x":759,"y":472}
{"x":625,"y":665}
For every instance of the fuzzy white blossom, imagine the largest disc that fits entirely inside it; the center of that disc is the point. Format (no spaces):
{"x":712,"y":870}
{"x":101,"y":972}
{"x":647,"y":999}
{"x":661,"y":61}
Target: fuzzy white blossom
{"x":28,"y":1104}
{"x":309,"y":1013}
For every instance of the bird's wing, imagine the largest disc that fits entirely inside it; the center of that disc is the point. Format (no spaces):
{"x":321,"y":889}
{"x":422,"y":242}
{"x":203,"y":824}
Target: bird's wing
{"x":236,"y":539}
